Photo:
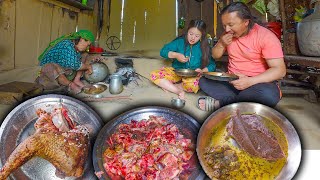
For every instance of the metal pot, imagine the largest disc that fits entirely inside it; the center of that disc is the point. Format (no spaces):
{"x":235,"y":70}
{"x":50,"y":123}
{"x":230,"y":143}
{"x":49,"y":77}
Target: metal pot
{"x":100,"y":71}
{"x":308,"y":33}
{"x":115,"y":86}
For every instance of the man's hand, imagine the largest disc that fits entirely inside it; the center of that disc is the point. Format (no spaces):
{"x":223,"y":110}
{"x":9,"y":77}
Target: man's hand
{"x":242,"y":83}
{"x":226,"y":39}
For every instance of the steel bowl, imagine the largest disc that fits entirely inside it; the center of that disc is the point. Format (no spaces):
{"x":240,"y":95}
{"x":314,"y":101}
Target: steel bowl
{"x":19,"y":124}
{"x":294,"y":145}
{"x":186,"y":72}
{"x":178,"y":103}
{"x":186,"y":124}
{"x":100,"y":72}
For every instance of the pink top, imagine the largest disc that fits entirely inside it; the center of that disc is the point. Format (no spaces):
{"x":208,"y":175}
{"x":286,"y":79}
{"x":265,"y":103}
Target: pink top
{"x":248,"y":54}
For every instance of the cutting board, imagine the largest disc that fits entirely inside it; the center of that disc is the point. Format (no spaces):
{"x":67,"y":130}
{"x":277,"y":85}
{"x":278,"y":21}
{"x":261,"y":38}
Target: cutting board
{"x":14,"y":92}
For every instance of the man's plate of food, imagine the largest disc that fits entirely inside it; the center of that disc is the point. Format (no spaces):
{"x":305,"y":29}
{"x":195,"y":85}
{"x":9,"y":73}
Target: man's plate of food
{"x":220,"y":76}
{"x":48,"y":137}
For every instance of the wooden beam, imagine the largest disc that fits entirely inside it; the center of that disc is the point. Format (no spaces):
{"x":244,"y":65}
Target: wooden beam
{"x":63,"y":5}
{"x":283,"y":20}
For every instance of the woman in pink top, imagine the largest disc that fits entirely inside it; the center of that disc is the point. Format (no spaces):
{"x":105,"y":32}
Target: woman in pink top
{"x":254,"y":54}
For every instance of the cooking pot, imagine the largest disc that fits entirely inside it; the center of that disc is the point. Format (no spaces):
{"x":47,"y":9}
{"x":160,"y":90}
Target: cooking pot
{"x":100,"y":71}
{"x":308,"y":33}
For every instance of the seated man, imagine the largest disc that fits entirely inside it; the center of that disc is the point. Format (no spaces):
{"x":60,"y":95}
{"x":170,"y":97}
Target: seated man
{"x":254,"y":54}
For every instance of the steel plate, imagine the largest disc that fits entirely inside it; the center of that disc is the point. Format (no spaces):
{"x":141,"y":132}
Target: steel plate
{"x":188,"y":126}
{"x":18,"y":125}
{"x":95,"y":89}
{"x":186,"y":72}
{"x":220,"y":76}
{"x":294,"y":145}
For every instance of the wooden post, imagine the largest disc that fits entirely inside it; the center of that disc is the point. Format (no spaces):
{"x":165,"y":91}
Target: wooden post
{"x":284,"y":22}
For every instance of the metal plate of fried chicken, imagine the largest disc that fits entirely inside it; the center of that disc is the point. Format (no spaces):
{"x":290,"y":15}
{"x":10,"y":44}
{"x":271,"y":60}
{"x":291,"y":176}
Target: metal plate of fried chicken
{"x":48,"y":137}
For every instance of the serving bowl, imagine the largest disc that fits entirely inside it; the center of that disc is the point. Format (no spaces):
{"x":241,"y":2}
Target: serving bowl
{"x":294,"y":145}
{"x":95,"y":89}
{"x":178,"y":103}
{"x":188,"y":126}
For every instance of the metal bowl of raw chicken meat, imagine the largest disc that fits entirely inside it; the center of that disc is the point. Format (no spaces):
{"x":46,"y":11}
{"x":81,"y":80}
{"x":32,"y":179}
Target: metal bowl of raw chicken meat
{"x":188,"y":126}
{"x":19,"y":124}
{"x":205,"y":136}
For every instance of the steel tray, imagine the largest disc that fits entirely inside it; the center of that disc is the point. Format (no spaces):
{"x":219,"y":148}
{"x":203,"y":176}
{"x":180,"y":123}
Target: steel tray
{"x":188,"y":126}
{"x":294,"y":145}
{"x":18,"y":125}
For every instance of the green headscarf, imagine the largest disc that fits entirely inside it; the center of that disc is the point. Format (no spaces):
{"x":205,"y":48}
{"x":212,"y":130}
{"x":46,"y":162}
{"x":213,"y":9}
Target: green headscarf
{"x":85,"y":34}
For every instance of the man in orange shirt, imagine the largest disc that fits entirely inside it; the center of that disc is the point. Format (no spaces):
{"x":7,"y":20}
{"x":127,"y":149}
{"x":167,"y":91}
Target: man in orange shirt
{"x":254,"y":54}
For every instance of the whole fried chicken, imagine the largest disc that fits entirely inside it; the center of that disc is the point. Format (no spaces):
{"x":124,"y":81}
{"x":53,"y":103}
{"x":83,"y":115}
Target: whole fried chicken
{"x":57,"y":140}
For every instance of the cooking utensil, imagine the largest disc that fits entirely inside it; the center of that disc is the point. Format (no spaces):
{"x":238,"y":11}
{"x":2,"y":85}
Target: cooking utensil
{"x":100,"y":71}
{"x":115,"y":86}
{"x":186,"y":72}
{"x":294,"y":145}
{"x":220,"y":76}
{"x":19,"y":124}
{"x":188,"y":62}
{"x":95,"y":88}
{"x":102,"y":99}
{"x":178,"y":103}
{"x":186,"y":124}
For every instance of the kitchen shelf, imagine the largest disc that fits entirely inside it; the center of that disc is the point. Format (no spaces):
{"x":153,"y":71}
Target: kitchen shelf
{"x":77,"y":4}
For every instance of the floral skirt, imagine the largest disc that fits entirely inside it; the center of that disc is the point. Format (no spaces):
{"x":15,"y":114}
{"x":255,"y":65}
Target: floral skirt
{"x":188,"y":84}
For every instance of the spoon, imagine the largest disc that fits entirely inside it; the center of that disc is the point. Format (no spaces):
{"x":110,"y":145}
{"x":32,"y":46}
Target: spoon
{"x":188,"y":62}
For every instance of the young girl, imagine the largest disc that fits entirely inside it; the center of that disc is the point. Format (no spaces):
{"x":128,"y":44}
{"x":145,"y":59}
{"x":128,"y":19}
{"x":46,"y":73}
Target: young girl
{"x":189,"y":51}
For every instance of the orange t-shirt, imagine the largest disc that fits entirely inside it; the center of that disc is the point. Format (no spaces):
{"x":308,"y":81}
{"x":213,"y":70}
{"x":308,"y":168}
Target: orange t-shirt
{"x":248,"y":54}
